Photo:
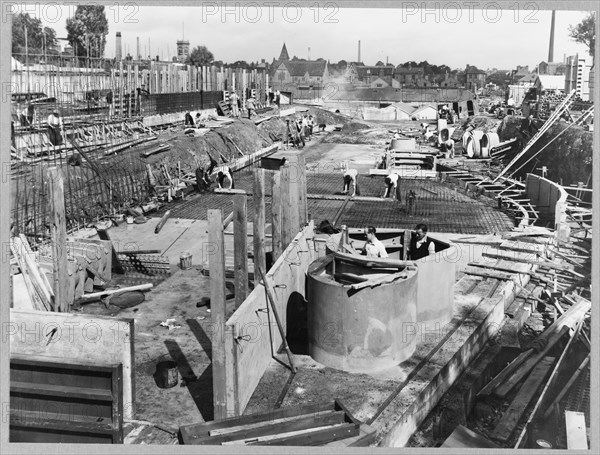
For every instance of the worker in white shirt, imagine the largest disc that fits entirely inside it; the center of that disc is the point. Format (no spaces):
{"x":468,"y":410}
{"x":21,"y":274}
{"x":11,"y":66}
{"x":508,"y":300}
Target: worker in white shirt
{"x":448,"y":148}
{"x":55,"y":128}
{"x":350,"y":177}
{"x":235,"y":108}
{"x":222,"y":174}
{"x":391,"y":184}
{"x":373,"y":247}
{"x":420,"y":244}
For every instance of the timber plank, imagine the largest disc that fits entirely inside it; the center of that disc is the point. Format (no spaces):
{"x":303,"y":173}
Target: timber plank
{"x":462,"y":437}
{"x":513,"y":414}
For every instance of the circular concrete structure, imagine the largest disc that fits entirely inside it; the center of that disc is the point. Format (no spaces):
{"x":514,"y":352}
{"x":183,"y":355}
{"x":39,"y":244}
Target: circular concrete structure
{"x":488,"y":140}
{"x":473,"y":144}
{"x":355,"y":324}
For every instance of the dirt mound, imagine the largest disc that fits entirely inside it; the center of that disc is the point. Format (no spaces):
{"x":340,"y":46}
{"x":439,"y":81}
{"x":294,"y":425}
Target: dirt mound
{"x":568,"y":158}
{"x":227,"y":143}
{"x":485,"y":124}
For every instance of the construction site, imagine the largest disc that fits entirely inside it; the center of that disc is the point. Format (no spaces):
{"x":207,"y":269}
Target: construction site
{"x":205,"y":282}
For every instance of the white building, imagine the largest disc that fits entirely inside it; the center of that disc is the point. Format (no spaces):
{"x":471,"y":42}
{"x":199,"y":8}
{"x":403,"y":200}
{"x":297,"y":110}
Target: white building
{"x":577,"y":76}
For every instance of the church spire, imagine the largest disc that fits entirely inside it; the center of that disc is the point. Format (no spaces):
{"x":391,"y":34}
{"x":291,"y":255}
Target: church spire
{"x":284,"y":54}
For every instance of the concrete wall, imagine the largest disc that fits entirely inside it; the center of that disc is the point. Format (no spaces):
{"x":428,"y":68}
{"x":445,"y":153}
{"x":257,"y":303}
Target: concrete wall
{"x":78,"y":338}
{"x":435,"y":288}
{"x":248,"y":357}
{"x":548,"y":197}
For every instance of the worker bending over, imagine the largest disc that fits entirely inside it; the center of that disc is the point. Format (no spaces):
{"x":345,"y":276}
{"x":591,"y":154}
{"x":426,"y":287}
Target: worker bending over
{"x":420,"y":244}
{"x":373,"y":246}
{"x":447,"y":148}
{"x":350,"y":177}
{"x":222,"y":174}
{"x":391,"y":186}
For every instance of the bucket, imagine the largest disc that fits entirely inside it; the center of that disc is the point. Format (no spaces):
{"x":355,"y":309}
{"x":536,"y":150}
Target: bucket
{"x":166,"y":375}
{"x":185,"y":261}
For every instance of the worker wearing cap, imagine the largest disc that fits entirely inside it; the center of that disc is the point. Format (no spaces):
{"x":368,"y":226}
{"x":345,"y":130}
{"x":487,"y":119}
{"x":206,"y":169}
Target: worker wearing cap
{"x":391,"y":182}
{"x":55,"y":128}
{"x":350,"y":177}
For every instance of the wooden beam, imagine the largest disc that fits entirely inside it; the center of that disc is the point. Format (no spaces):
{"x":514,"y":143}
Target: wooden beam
{"x":286,"y":209}
{"x":510,"y":417}
{"x":59,"y":239}
{"x":276,"y":214}
{"x":293,"y":167}
{"x":566,"y":387}
{"x":240,"y":248}
{"x":216,"y":255}
{"x":258,"y":240}
{"x":302,"y":193}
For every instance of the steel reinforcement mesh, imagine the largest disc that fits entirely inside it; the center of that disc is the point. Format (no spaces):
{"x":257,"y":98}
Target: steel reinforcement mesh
{"x":94,"y":189}
{"x":442,"y":207}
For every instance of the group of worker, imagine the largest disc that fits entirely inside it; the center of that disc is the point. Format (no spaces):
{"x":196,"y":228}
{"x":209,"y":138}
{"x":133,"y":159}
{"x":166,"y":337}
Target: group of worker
{"x":299,"y":130}
{"x":350,"y":178}
{"x":235,"y":105}
{"x":419,"y":246}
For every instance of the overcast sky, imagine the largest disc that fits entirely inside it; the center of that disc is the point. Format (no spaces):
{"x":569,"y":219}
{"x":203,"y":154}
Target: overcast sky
{"x":486,"y":38}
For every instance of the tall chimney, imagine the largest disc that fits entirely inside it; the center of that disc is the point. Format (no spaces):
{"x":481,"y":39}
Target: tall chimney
{"x":551,"y":48}
{"x":358,"y":50}
{"x":137,"y":54}
{"x":118,"y":50}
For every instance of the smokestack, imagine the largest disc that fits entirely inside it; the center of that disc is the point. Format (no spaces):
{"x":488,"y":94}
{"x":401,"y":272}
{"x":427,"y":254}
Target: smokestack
{"x":358,"y":51}
{"x":118,"y":50}
{"x":137,"y":54}
{"x":551,"y":48}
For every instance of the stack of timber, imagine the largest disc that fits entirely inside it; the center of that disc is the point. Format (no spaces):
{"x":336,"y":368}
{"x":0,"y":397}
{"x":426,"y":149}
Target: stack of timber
{"x":526,"y":382}
{"x":38,"y":287}
{"x":308,"y":425}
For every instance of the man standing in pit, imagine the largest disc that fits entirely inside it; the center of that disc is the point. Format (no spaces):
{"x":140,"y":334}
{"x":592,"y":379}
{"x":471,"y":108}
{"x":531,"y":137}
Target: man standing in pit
{"x":391,"y":184}
{"x":373,"y":246}
{"x":350,"y":177}
{"x":420,"y":244}
{"x":55,"y":128}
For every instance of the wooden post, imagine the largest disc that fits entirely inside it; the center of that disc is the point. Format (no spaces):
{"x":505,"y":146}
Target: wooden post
{"x":289,"y":190}
{"x":216,"y":264}
{"x":59,"y":239}
{"x":240,"y":248}
{"x":258,"y":238}
{"x":302,"y":201}
{"x":276,"y":213}
{"x":406,"y":244}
